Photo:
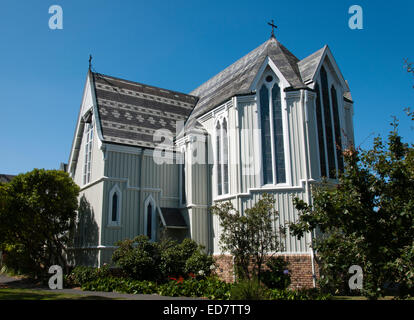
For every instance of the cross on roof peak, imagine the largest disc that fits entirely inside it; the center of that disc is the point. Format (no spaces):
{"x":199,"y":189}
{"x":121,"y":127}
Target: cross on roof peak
{"x":272,"y":24}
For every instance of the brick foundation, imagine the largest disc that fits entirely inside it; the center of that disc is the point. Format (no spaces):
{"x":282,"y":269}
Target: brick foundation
{"x":224,"y":268}
{"x":300,"y":267}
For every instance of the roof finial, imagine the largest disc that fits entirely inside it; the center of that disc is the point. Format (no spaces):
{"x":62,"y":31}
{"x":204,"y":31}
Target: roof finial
{"x":272,"y":24}
{"x":90,"y":62}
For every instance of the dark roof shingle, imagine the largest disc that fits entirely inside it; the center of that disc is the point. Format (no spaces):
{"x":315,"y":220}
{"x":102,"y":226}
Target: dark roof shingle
{"x":131,"y":112}
{"x":238,"y":77}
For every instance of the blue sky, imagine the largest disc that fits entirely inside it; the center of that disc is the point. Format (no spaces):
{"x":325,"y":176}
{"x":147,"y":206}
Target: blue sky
{"x":178,"y":45}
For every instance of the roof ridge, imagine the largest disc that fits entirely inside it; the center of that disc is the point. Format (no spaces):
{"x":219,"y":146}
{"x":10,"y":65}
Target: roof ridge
{"x":141,"y":84}
{"x":230,"y":66}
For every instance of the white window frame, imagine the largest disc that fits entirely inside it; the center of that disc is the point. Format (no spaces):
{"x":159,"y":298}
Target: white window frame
{"x":281,"y":83}
{"x":117,"y":190}
{"x":182,"y":167}
{"x":217,"y":161}
{"x":87,"y":166}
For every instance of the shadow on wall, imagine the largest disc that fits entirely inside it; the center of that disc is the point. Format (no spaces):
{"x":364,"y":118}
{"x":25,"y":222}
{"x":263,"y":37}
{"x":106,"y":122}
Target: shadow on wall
{"x":85,"y":237}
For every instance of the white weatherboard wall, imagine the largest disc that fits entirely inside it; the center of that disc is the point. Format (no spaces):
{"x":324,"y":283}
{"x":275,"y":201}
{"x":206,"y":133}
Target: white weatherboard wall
{"x":244,"y":147}
{"x":136,"y":174}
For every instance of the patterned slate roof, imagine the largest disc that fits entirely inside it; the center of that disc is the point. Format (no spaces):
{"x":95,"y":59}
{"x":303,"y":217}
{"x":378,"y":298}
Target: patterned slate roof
{"x":238,"y":77}
{"x":308,"y":66}
{"x":131,"y":112}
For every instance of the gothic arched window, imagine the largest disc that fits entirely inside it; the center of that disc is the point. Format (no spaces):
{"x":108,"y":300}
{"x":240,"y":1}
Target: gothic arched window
{"x":149,"y":220}
{"x":218,"y":159}
{"x":88,"y":153}
{"x":278,"y":135}
{"x":222,"y":156}
{"x":114,"y":216}
{"x":266,"y":136}
{"x":321,"y":136}
{"x":337,"y":125}
{"x":328,"y":125}
{"x":114,"y":207}
{"x":225,"y":158}
{"x":271,"y":123}
{"x":183,"y":198}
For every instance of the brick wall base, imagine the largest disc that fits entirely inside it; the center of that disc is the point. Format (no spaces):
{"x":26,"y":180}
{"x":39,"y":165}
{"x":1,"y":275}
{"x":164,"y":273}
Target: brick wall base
{"x":300,"y":266}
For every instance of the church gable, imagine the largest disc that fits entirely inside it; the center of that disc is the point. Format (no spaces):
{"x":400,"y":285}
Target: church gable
{"x":131,"y":112}
{"x":310,"y":67}
{"x":238,"y":78}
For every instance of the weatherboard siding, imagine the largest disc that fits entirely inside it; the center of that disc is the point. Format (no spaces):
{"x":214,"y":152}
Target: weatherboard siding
{"x":137,"y":181}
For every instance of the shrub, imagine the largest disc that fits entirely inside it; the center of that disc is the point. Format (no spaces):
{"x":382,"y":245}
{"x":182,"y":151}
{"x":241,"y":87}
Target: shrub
{"x":249,"y":290}
{"x":139,"y":258}
{"x":81,"y":275}
{"x":17,"y":260}
{"x":278,"y":277}
{"x":199,"y":263}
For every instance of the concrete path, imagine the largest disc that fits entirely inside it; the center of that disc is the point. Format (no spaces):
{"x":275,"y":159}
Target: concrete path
{"x":22,"y":283}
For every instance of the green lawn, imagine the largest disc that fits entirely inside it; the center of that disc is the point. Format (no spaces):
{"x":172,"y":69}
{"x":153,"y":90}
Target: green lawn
{"x":29,"y":294}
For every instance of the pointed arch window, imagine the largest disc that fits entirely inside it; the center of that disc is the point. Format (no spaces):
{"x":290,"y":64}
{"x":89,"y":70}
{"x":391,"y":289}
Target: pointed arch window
{"x":222,"y":157}
{"x":183,"y":197}
{"x":218,"y":159}
{"x":150,"y":219}
{"x":321,"y":135}
{"x":114,"y":207}
{"x":225,"y":158}
{"x":272,"y":133}
{"x":115,"y":198}
{"x":88,"y":152}
{"x":337,"y":124}
{"x":329,"y":128}
{"x":328,"y":125}
{"x":266,"y":136}
{"x":278,"y":135}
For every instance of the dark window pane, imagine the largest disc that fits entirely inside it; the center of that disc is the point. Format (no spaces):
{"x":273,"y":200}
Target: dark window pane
{"x":218,"y":160}
{"x":266,"y":141}
{"x":149,"y":221}
{"x":328,"y":124}
{"x":278,"y":136}
{"x":115,"y":207}
{"x":321,"y":139}
{"x":337,"y":124}
{"x":183,"y":199}
{"x":225,"y":159}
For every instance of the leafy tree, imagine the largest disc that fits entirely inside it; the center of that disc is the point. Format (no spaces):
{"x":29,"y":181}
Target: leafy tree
{"x":367,"y":219}
{"x":249,"y":236}
{"x":37,"y":213}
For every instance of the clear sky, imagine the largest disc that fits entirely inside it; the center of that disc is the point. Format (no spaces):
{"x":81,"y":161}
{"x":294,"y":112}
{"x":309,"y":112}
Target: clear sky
{"x":178,"y":45}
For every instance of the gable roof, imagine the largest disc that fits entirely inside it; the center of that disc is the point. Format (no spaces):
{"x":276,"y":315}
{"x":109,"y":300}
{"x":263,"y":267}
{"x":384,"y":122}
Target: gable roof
{"x":238,"y":77}
{"x":310,"y":64}
{"x":130,"y":112}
